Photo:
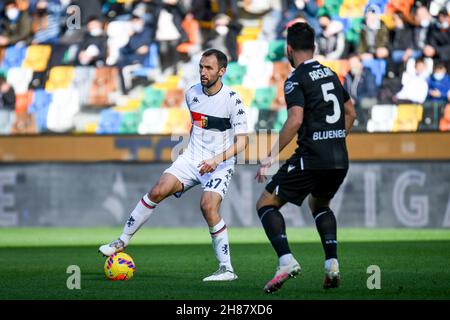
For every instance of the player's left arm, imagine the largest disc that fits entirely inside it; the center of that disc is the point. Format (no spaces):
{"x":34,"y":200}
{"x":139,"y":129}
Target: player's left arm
{"x":349,"y":111}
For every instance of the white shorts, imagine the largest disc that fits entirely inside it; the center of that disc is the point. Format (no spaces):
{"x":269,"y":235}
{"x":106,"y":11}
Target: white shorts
{"x":187,"y":172}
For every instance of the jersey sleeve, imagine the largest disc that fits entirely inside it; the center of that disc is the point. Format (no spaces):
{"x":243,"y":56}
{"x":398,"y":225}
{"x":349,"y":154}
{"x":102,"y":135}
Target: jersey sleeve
{"x":293,"y":93}
{"x":238,"y":116}
{"x":346,"y":95}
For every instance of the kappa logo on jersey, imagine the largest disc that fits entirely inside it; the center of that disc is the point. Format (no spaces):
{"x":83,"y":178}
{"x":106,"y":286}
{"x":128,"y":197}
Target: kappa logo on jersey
{"x":232,"y":93}
{"x":238,"y":101}
{"x":195,"y":100}
{"x":289,"y":86}
{"x":240,"y":112}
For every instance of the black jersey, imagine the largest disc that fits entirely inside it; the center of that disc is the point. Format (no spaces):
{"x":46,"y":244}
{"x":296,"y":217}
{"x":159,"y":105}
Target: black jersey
{"x":321,"y":138}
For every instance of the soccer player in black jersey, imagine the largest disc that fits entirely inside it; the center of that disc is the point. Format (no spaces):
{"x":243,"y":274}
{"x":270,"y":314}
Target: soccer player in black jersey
{"x":321,"y":112}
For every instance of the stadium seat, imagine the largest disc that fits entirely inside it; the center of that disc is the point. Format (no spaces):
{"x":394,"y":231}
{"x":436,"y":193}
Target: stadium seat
{"x":178,"y":121}
{"x":60,"y":78}
{"x":253,"y":51}
{"x":61,"y":112}
{"x":352,"y":34}
{"x":444,"y":123}
{"x":153,"y":98}
{"x":341,"y":67}
{"x":110,"y":121}
{"x":266,"y":119}
{"x":408,"y":117}
{"x":330,"y":7}
{"x":382,"y":118}
{"x":173,"y":99}
{"x":19,"y":78}
{"x":258,"y":74}
{"x":86,"y":122}
{"x":39,"y":107}
{"x":82,"y":81}
{"x":104,"y":84}
{"x":264,"y":98}
{"x":37,"y":57}
{"x":431,"y":116}
{"x":151,"y":62}
{"x":246,"y":94}
{"x":352,"y":8}
{"x":14,"y":56}
{"x":24,"y":123}
{"x":130,"y":122}
{"x":170,"y":83}
{"x":153,"y":121}
{"x":282,"y":116}
{"x":378,"y":69}
{"x":235,"y":74}
{"x":192,"y":29}
{"x":23,"y":101}
{"x":276,"y":50}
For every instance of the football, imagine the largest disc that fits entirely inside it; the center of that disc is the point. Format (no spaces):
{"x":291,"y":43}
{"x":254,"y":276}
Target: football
{"x":119,"y":266}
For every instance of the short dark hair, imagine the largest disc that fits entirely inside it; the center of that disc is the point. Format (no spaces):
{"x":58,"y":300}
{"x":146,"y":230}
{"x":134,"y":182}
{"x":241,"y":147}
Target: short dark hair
{"x":301,"y":36}
{"x":222,"y":59}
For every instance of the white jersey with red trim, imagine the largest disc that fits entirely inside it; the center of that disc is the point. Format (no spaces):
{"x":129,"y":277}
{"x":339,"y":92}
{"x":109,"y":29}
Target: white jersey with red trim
{"x":216,"y":119}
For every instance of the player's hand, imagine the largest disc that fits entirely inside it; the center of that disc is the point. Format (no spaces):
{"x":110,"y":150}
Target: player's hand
{"x":207,"y":166}
{"x":261,"y":174}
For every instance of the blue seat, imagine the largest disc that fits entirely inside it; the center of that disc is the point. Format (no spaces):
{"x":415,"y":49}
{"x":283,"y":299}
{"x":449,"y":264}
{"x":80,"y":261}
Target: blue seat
{"x":39,"y":107}
{"x":378,"y":69}
{"x":14,"y":56}
{"x":150,"y":63}
{"x":110,"y":121}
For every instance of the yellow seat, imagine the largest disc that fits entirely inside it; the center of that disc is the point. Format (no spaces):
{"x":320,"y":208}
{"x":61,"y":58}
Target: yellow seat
{"x":60,"y":78}
{"x":170,"y":83}
{"x":37,"y":57}
{"x":178,"y":121}
{"x":246,"y":94}
{"x":408,"y":117}
{"x":91,"y":127}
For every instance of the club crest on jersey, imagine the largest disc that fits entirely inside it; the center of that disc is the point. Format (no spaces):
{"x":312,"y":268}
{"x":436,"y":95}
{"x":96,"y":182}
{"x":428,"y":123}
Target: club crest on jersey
{"x":289,"y":86}
{"x":204,"y":121}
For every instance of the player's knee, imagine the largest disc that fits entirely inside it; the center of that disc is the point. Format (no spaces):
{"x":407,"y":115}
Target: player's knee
{"x":207,"y":207}
{"x":157,"y":193}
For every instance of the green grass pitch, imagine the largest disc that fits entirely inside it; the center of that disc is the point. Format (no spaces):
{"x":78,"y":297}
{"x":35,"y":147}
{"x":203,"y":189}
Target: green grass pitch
{"x":170,"y":264}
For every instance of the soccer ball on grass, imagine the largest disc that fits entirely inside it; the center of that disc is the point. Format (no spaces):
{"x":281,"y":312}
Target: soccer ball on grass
{"x":119,"y":266}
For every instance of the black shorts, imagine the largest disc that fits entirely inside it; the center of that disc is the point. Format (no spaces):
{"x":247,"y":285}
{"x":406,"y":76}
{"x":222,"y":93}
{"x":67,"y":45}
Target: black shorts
{"x":295,"y":185}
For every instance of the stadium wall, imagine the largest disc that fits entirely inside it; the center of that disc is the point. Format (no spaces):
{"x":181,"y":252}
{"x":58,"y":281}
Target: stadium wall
{"x":375,"y":194}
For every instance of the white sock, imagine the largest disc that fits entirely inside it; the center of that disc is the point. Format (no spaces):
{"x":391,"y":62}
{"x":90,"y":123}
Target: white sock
{"x":138,"y":217}
{"x":328,"y":263}
{"x":285,"y":259}
{"x":219,"y":236}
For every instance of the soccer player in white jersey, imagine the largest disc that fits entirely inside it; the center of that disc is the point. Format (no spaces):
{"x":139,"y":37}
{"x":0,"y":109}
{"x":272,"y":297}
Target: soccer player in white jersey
{"x":219,"y":133}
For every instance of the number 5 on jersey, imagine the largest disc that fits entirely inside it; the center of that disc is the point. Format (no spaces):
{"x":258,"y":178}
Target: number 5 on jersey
{"x":328,"y":96}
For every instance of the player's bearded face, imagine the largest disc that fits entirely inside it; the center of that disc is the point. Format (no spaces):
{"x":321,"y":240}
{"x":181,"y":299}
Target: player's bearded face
{"x":210,"y":71}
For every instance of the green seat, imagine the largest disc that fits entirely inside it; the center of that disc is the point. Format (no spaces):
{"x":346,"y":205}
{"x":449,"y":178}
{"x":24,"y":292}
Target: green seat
{"x":264,"y":98}
{"x":153,"y":98}
{"x":330,"y":7}
{"x":354,"y":31}
{"x":281,"y":119}
{"x":276,"y":50}
{"x":235,"y":74}
{"x":130,"y":122}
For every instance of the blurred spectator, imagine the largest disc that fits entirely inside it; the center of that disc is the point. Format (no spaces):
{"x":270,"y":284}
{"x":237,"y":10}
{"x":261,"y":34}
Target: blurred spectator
{"x":169,"y":34}
{"x":7,"y":104}
{"x":149,"y":11}
{"x":16,"y":26}
{"x":88,"y":9}
{"x":331,"y":40}
{"x":137,"y":48}
{"x":230,"y":8}
{"x":46,"y":18}
{"x":360,"y":83}
{"x":224,"y":36}
{"x":415,"y":86}
{"x":439,"y":39}
{"x":270,"y":20}
{"x":291,"y":9}
{"x":93,"y":47}
{"x":374,"y":37}
{"x":422,"y":29}
{"x":402,"y":45}
{"x":439,"y":84}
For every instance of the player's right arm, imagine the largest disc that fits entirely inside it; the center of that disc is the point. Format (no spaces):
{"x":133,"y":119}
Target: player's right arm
{"x":350,"y":115}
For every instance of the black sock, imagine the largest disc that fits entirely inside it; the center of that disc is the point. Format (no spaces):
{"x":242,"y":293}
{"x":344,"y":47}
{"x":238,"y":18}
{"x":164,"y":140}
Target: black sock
{"x":273,"y":223}
{"x":326,"y":226}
